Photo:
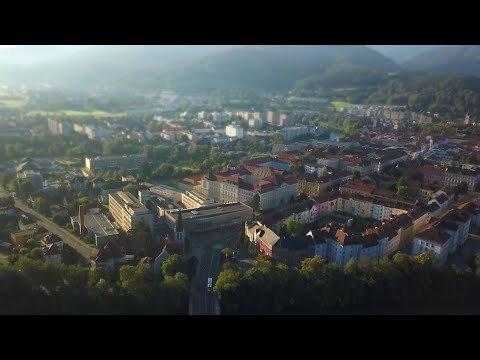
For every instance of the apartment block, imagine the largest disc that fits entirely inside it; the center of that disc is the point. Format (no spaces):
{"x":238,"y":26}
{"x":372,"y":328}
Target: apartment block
{"x":128,"y":211}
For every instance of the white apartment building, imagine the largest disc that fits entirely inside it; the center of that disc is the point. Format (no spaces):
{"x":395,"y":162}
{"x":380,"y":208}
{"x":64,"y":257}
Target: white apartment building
{"x":128,"y":211}
{"x":193,"y":199}
{"x":234,"y":131}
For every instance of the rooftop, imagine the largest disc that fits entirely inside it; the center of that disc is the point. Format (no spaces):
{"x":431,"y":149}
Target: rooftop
{"x":359,"y":186}
{"x":433,"y":236}
{"x":209,"y":211}
{"x":124,"y":198}
{"x":97,"y":223}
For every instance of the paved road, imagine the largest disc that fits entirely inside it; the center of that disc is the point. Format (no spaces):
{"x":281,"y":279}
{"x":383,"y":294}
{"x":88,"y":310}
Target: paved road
{"x":85,"y":250}
{"x":204,"y":301}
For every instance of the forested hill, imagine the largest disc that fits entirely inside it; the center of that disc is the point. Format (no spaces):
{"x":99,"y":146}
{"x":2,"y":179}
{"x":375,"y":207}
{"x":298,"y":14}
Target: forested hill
{"x":274,"y":67}
{"x":196,"y":68}
{"x":446,"y":93}
{"x":462,"y":59}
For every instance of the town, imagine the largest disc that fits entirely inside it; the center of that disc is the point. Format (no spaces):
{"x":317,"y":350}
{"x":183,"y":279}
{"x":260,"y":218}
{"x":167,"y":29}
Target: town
{"x":179,"y":205}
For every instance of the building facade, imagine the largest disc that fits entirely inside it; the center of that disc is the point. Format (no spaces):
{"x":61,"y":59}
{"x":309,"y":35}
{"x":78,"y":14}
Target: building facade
{"x":128,"y":211}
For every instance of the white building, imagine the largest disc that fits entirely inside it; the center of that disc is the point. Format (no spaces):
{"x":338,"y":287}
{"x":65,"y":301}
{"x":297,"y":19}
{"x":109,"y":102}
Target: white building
{"x":234,"y":131}
{"x":193,"y":199}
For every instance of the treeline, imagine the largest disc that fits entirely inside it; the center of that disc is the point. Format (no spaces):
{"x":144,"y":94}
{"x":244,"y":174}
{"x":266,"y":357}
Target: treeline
{"x":404,"y":284}
{"x":348,"y":125}
{"x":29,"y":285}
{"x":448,"y":94}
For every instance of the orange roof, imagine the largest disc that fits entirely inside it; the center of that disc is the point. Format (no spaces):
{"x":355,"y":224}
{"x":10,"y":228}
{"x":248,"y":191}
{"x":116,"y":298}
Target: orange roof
{"x":359,"y":186}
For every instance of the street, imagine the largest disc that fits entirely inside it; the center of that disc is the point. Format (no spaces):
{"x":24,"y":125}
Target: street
{"x":206,"y":248}
{"x":204,"y":301}
{"x":85,"y":250}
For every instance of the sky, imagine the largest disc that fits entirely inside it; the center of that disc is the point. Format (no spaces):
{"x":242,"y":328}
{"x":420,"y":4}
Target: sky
{"x":2,"y":47}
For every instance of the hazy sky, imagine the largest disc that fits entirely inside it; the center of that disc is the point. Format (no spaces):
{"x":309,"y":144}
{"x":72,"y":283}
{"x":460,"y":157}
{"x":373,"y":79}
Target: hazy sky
{"x":6,"y":46}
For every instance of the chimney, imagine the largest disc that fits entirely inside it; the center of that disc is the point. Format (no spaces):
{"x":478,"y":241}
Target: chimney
{"x":82,"y":220}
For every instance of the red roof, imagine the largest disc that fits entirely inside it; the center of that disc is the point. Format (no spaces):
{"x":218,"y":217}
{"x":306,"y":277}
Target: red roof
{"x":359,"y":186}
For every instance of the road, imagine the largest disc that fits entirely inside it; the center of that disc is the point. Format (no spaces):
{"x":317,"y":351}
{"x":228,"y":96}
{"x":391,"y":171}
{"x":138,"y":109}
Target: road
{"x":85,"y":250}
{"x":204,"y":301}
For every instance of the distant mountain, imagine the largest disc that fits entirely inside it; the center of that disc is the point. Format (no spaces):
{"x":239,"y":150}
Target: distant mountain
{"x":402,"y":53}
{"x":35,"y":54}
{"x":91,"y":67}
{"x":189,"y":67}
{"x":272,"y":67}
{"x":464,"y":59}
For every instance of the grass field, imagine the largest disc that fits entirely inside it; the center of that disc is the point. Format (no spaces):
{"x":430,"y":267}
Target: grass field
{"x":12,"y":103}
{"x":69,"y":161}
{"x":340,"y":104}
{"x":74,"y":113}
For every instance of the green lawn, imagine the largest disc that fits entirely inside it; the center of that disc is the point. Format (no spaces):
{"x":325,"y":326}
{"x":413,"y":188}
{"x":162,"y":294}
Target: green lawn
{"x":75,"y":113}
{"x":340,"y":104}
{"x":12,"y":103}
{"x":69,"y":161}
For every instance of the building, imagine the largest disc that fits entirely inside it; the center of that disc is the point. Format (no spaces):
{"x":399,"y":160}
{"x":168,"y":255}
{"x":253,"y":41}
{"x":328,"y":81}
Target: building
{"x":305,"y":212}
{"x":455,"y":177}
{"x":129,"y":162}
{"x":209,"y":218}
{"x":193,"y":199}
{"x":190,"y":183}
{"x":443,"y":236}
{"x":234,"y":131}
{"x":33,"y":176}
{"x":433,"y":174}
{"x":53,"y":253}
{"x":59,"y":128}
{"x":276,"y":118}
{"x":312,"y":185}
{"x":50,"y":239}
{"x":7,"y":210}
{"x":77,"y":183}
{"x":255,"y":123}
{"x":129,"y":177}
{"x":97,"y":133}
{"x":273,"y":186}
{"x":128,"y":211}
{"x":25,"y":223}
{"x":97,"y":226}
{"x":290,"y":251}
{"x":111,"y":257}
{"x":356,"y":187}
{"x":290,"y":133}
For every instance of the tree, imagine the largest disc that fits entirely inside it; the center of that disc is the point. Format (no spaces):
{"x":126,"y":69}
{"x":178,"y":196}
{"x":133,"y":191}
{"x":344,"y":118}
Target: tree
{"x":31,"y":243}
{"x":302,"y":197}
{"x":256,"y":202}
{"x":402,"y":188}
{"x":7,"y":201}
{"x":325,"y":171}
{"x":40,"y":205}
{"x":145,"y":170}
{"x":36,"y":254}
{"x":141,"y":237}
{"x":227,"y":253}
{"x":294,"y":228}
{"x":25,"y":187}
{"x":131,"y":188}
{"x":173,"y":265}
{"x":357,"y":175}
{"x":138,"y":281}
